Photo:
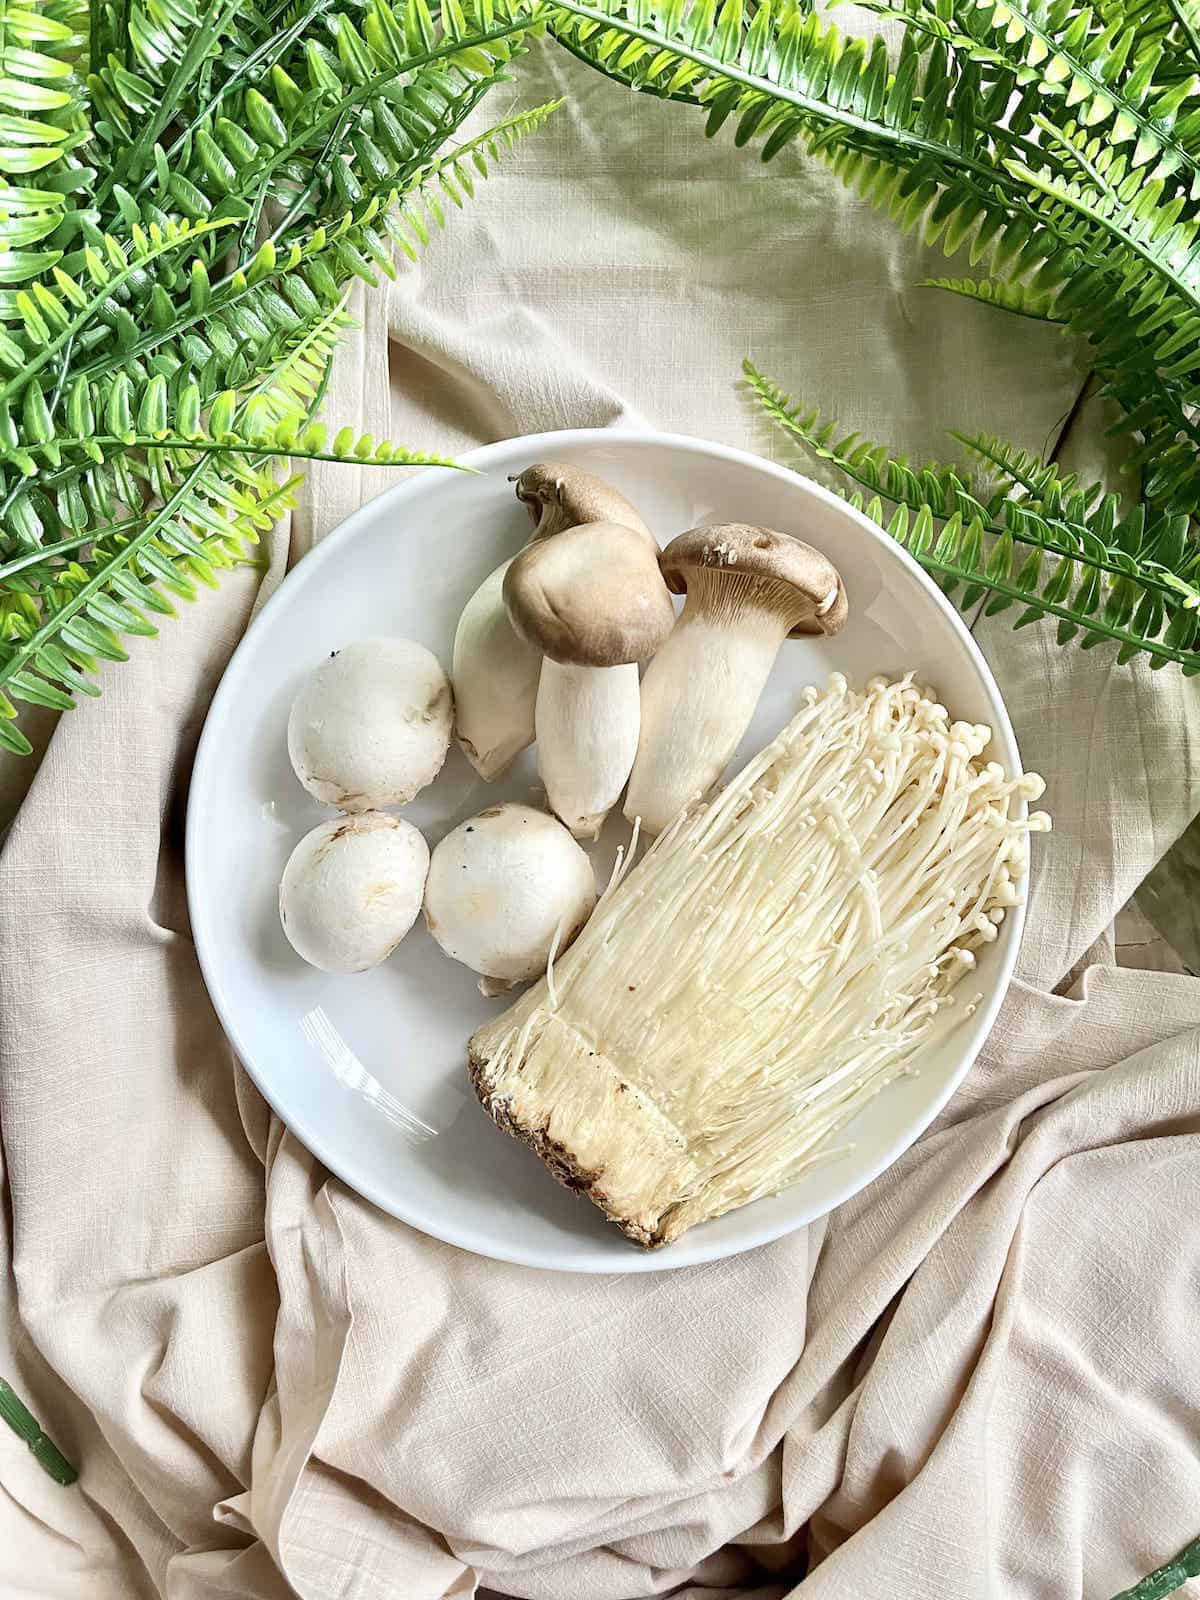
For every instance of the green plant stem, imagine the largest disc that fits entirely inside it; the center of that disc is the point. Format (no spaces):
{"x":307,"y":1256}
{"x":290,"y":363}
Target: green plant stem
{"x":237,"y":447}
{"x":1165,"y":1580}
{"x":63,"y":547}
{"x":116,"y":360}
{"x":958,"y":286}
{"x":320,"y":168}
{"x":26,"y":1426}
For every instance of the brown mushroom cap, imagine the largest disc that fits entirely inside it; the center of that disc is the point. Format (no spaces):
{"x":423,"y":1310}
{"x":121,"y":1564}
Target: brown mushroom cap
{"x":558,"y":496}
{"x":772,"y":571}
{"x":591,"y":597}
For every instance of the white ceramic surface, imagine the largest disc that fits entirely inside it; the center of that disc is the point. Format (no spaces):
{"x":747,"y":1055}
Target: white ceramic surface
{"x":369,"y":1070}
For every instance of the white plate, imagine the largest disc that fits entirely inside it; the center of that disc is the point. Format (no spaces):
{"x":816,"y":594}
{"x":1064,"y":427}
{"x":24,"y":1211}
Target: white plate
{"x":369,"y":1070}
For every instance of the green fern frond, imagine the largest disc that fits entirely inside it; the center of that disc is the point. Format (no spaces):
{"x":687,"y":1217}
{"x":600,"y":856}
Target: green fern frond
{"x":956,"y":556}
{"x":1133,"y":215}
{"x":925,"y":138}
{"x":1102,"y":577}
{"x":1187,"y":17}
{"x":1002,"y":294}
{"x":1035,"y":504}
{"x":777,"y":72}
{"x":1059,"y":145}
{"x":211,"y":507}
{"x":1100,"y":73}
{"x":166,"y":329}
{"x":41,"y":126}
{"x":408,"y":216}
{"x":1024,"y":473}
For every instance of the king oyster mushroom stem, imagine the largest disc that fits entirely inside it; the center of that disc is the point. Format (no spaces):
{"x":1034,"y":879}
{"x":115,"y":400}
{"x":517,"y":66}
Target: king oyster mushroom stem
{"x":593,"y":601}
{"x":748,"y":589}
{"x":495,"y":671}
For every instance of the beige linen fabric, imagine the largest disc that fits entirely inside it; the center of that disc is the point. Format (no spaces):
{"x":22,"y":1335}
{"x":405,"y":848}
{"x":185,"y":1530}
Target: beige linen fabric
{"x":977,"y":1379}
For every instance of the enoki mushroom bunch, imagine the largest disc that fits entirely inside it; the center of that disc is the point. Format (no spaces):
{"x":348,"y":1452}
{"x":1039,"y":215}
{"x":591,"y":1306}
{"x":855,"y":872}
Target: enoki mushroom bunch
{"x":778,"y":958}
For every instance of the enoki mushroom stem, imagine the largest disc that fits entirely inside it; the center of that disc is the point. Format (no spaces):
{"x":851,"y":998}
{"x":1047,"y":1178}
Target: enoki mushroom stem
{"x":779,"y":957}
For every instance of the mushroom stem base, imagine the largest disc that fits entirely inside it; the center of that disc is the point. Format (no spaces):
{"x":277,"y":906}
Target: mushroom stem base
{"x":587,"y":723}
{"x":633,"y":1178}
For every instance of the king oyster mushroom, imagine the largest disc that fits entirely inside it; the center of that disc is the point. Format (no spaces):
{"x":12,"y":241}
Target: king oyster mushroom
{"x":504,"y":890}
{"x":370,"y":727}
{"x":351,"y":890}
{"x":495,"y":671}
{"x":593,"y":601}
{"x":748,"y":589}
{"x":559,"y":497}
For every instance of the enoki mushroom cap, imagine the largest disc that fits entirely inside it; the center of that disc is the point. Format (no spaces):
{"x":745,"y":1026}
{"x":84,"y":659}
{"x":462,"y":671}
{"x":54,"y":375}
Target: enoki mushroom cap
{"x":735,"y":566}
{"x":558,"y":497}
{"x":592,"y":596}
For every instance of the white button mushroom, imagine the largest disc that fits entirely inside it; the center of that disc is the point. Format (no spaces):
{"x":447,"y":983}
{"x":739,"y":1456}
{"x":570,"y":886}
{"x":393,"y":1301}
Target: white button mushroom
{"x":747,"y":590}
{"x":593,"y":600}
{"x":351,"y":890}
{"x":504,"y":889}
{"x":371,"y":726}
{"x":495,"y":671}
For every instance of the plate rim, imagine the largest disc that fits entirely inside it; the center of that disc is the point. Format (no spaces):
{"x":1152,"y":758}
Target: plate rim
{"x":539,"y":445}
